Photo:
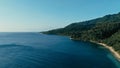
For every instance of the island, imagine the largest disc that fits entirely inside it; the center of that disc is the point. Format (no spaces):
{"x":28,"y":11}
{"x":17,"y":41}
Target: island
{"x":103,"y":31}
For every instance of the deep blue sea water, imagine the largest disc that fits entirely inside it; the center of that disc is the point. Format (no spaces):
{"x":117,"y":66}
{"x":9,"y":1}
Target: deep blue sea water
{"x":35,"y":50}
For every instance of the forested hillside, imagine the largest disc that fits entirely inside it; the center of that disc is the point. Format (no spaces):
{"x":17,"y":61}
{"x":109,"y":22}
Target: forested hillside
{"x":104,"y":29}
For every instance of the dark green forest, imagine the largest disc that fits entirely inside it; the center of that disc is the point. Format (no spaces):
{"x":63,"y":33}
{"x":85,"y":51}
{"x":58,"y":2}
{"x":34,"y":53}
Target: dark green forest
{"x":105,"y":29}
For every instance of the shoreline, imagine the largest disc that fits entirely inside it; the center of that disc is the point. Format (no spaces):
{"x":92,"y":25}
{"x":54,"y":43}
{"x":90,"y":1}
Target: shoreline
{"x":115,"y":54}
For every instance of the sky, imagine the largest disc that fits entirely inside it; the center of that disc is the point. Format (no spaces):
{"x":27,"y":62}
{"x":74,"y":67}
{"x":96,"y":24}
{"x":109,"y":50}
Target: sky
{"x":42,"y":15}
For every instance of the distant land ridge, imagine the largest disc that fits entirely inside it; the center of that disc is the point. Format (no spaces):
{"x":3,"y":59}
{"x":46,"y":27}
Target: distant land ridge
{"x":105,"y":30}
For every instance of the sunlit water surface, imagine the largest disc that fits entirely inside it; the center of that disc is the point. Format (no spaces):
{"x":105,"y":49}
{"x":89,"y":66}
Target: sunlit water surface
{"x":35,"y":50}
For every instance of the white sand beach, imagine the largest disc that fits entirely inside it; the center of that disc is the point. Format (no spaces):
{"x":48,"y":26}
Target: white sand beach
{"x":116,"y":54}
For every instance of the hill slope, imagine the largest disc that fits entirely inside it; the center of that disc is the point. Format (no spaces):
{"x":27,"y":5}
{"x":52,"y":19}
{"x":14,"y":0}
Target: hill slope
{"x":105,"y":29}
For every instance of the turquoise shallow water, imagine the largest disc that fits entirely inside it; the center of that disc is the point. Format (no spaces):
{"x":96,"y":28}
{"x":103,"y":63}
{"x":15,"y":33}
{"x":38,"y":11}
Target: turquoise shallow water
{"x":34,"y":50}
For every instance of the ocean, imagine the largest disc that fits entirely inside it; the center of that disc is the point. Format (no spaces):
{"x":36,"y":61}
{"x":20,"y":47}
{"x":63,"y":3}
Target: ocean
{"x":35,"y":50}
